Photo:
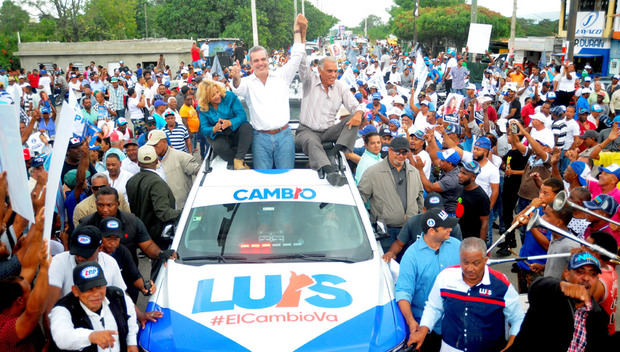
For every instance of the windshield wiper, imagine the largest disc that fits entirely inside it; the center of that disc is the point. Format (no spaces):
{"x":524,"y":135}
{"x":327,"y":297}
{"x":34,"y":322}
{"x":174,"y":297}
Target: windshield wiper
{"x":309,"y":257}
{"x":220,"y":258}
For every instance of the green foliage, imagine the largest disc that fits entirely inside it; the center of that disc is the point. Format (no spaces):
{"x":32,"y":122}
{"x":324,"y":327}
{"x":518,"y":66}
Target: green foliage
{"x":12,"y":17}
{"x":437,"y":24}
{"x":529,"y":27}
{"x":376,"y":29}
{"x":109,"y":20}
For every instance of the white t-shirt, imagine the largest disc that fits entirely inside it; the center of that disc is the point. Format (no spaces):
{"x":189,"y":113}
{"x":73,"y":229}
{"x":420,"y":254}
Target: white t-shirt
{"x":60,"y":272}
{"x":134,"y":111}
{"x":572,"y":130}
{"x":45,"y":81}
{"x":566,"y":85}
{"x":120,"y":182}
{"x":205,"y":49}
{"x":450,"y":65}
{"x":75,"y":86}
{"x":426,"y":159}
{"x":489,"y":174}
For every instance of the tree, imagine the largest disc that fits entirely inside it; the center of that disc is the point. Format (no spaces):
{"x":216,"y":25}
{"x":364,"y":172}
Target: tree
{"x":66,"y":12}
{"x":12,"y":18}
{"x":448,"y":26}
{"x":109,"y":20}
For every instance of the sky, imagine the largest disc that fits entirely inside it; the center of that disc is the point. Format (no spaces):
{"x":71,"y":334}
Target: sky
{"x":352,"y":12}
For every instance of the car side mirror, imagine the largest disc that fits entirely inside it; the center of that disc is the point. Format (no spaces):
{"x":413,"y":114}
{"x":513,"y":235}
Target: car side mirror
{"x":168,"y":232}
{"x":380,"y":230}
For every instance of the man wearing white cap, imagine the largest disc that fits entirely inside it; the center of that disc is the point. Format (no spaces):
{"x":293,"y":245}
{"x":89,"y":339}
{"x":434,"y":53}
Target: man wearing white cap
{"x":540,"y":132}
{"x":582,"y":102}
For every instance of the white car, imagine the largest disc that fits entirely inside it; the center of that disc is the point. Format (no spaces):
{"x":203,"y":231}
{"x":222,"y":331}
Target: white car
{"x":274,"y":260}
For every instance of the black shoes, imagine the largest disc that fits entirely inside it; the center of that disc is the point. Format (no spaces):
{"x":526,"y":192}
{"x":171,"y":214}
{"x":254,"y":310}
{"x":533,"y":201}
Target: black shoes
{"x":333,"y":175}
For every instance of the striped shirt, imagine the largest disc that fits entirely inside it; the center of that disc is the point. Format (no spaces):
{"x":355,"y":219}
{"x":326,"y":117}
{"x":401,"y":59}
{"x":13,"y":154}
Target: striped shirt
{"x":559,"y":129}
{"x":116,"y":97}
{"x":177,"y":137}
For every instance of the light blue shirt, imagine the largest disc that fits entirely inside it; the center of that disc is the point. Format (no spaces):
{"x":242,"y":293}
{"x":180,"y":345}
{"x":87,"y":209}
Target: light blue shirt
{"x":419,"y":268}
{"x":368,"y":159}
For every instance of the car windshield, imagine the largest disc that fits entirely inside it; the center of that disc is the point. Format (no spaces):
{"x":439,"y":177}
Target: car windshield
{"x":274,"y":231}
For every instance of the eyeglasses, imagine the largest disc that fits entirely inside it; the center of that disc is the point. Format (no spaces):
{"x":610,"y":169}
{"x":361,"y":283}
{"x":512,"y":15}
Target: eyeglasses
{"x":402,"y":152}
{"x":96,"y":188}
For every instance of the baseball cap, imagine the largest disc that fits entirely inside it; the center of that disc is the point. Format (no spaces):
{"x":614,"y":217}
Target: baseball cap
{"x":417,"y":133}
{"x":582,"y":170}
{"x":538,"y":116}
{"x":45,"y":110}
{"x":585,"y":91}
{"x":449,"y":155}
{"x":85,"y":240}
{"x":358,"y":96}
{"x":578,"y":260}
{"x":551,"y":95}
{"x":130,"y":142}
{"x":433,"y":200}
{"x":121,"y":121}
{"x":602,"y":202}
{"x":601,"y":93}
{"x":114,"y":79}
{"x":26,"y":154}
{"x":424,"y":102}
{"x":454,"y":129}
{"x":367,"y":129}
{"x":88,"y":275}
{"x":168,"y":112}
{"x":616,"y":76}
{"x":70,"y":178}
{"x":147,"y":154}
{"x":385,"y":132}
{"x":589,"y":134}
{"x":483,"y":142}
{"x":149,"y":119}
{"x":597,"y":108}
{"x":159,"y":103}
{"x":155,"y":136}
{"x":471,"y":166}
{"x":583,"y":111}
{"x":75,"y":142}
{"x":587,"y":66}
{"x":399,"y":143}
{"x":399,"y":100}
{"x":111,"y":226}
{"x":613,"y":169}
{"x":471,"y":86}
{"x":376,"y":96}
{"x":436,"y":217}
{"x":38,"y":161}
{"x":587,"y":79}
{"x":557,"y":110}
{"x":395,"y":111}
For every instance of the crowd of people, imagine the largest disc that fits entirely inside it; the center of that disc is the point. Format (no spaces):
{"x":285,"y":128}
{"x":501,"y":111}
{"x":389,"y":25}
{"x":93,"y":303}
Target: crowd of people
{"x":443,"y":174}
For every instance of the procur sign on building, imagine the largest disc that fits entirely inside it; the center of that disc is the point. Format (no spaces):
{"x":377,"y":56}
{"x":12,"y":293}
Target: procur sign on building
{"x":590,"y":24}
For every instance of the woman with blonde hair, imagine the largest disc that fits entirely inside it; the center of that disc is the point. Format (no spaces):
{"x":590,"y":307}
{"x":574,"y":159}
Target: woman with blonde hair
{"x":224,"y":123}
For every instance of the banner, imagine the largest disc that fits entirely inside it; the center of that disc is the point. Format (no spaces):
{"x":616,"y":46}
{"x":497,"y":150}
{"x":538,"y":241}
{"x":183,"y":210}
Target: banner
{"x":479,"y":38}
{"x":450,"y":110}
{"x":12,"y":161}
{"x":217,"y":67}
{"x":68,"y":118}
{"x":348,"y":78}
{"x":421,"y":73}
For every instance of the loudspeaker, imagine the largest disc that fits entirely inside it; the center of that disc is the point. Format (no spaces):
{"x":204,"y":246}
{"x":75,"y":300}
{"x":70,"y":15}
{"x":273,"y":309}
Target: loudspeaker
{"x":224,"y":59}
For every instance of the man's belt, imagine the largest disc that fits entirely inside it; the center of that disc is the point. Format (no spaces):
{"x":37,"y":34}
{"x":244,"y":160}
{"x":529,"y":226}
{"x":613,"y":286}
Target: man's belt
{"x":277,"y":130}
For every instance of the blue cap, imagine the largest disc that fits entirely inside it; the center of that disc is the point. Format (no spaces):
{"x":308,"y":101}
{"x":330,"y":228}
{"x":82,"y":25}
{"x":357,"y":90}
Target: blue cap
{"x":356,"y":71}
{"x":483,"y":142}
{"x":616,"y":119}
{"x":372,"y":61}
{"x":395,"y":122}
{"x":418,"y":134}
{"x":583,"y":111}
{"x":359,"y":82}
{"x":36,"y":162}
{"x":75,"y":142}
{"x":43,"y":72}
{"x":582,"y":170}
{"x":613,"y":169}
{"x":376,"y":95}
{"x":453,"y":129}
{"x":167,"y":84}
{"x":449,"y":155}
{"x":597,"y":108}
{"x":583,"y":258}
{"x":558,"y":110}
{"x":121,"y":121}
{"x":367,"y":129}
{"x":45,"y":110}
{"x":159,"y":103}
{"x":602,"y":202}
{"x":471,"y":166}
{"x":358,"y":96}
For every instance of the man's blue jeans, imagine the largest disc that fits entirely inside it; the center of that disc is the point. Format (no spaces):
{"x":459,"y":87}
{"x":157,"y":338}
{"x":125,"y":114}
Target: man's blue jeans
{"x":271,"y":151}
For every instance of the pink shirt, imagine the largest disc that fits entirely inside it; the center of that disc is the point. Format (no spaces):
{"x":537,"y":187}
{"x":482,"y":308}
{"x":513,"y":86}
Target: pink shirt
{"x":595,"y":189}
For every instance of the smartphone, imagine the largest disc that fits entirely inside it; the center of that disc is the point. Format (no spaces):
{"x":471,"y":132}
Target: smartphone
{"x":514,"y":128}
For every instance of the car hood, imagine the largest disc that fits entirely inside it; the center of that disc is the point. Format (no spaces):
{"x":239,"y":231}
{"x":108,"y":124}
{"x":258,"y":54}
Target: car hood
{"x":275,"y":307}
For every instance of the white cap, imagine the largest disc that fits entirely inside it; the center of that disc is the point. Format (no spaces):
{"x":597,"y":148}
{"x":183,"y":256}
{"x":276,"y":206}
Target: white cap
{"x":395,"y":111}
{"x":588,"y":79}
{"x":399,"y":100}
{"x":539,"y":116}
{"x":587,"y":66}
{"x":585,"y":90}
{"x":471,"y":86}
{"x":147,"y":154}
{"x":501,"y":124}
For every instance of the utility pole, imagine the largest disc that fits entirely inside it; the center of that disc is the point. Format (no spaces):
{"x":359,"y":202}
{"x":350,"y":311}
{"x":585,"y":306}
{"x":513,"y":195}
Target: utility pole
{"x":474,"y":11}
{"x":303,"y":7}
{"x":416,"y":12}
{"x":366,"y":27}
{"x":254,"y":26}
{"x":572,"y":28}
{"x":295,"y":7}
{"x":513,"y":29}
{"x":146,"y":21}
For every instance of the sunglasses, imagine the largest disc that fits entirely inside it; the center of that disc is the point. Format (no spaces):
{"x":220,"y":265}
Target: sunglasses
{"x":96,"y":188}
{"x":402,"y":152}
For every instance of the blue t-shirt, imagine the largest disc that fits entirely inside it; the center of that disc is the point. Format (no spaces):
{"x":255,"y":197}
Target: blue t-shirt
{"x":531,"y":247}
{"x":582,"y":103}
{"x":382,"y":110}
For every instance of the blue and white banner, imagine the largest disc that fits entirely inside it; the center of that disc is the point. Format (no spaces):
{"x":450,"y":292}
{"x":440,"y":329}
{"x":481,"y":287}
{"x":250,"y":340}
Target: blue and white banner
{"x":12,"y":154}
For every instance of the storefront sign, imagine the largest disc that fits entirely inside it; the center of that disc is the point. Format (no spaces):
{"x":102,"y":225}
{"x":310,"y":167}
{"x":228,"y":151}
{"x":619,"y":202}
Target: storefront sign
{"x":596,"y":43}
{"x":590,"y":24}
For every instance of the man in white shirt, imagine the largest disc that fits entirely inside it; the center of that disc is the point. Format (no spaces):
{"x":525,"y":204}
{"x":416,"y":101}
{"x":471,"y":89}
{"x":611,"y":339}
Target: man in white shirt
{"x":130,"y":163}
{"x":488,"y":178}
{"x":394,"y":76}
{"x":266,"y":94}
{"x":94,"y":314}
{"x":117,"y":177}
{"x":45,"y":82}
{"x":75,"y":86}
{"x":416,"y":143}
